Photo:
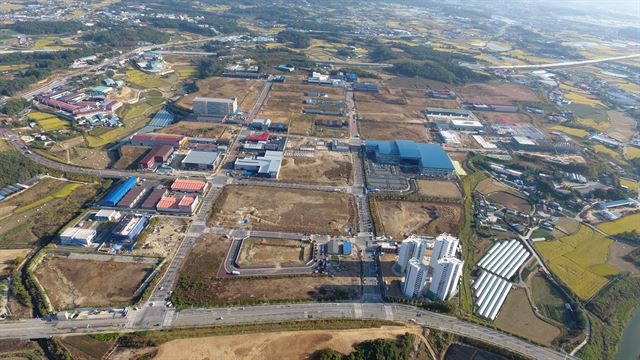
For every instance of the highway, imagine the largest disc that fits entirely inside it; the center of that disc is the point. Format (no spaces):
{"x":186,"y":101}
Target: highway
{"x":563,"y":64}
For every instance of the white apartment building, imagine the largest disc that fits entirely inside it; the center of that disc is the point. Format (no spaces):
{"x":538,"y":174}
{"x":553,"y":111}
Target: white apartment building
{"x":411,"y":247}
{"x":415,"y":279}
{"x":445,"y":246}
{"x":445,"y":278}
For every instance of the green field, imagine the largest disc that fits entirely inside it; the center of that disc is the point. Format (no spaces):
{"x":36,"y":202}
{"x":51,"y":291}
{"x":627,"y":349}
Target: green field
{"x":571,"y":131}
{"x":48,"y":122}
{"x":143,"y":80}
{"x":580,"y":260}
{"x":627,"y":223}
{"x":632,"y":185}
{"x":632,"y":152}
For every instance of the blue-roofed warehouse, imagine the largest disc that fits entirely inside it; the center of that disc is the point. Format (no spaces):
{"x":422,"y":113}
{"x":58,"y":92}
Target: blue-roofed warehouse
{"x":346,"y":247}
{"x":426,"y":159}
{"x":117,"y":193}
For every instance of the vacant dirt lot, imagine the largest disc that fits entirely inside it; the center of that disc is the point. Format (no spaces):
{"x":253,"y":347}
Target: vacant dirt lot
{"x":622,"y":126}
{"x":280,"y":209}
{"x":490,"y":185}
{"x":392,"y":281}
{"x":273,"y":252}
{"x":218,"y":87}
{"x":402,"y":218}
{"x":510,"y":201}
{"x":496,"y":93}
{"x":71,"y":283}
{"x":516,"y":316}
{"x":199,"y":283}
{"x":439,"y":188}
{"x":163,"y":239}
{"x":393,"y":131}
{"x":129,"y":156}
{"x":198,"y":129}
{"x":7,"y":258}
{"x":276,"y":345}
{"x":393,"y":105}
{"x":327,"y":168}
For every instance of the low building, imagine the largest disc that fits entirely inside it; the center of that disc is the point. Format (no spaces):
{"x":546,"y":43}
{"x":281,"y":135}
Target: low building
{"x":158,"y":155}
{"x":466,"y":125}
{"x":181,"y":204}
{"x":156,"y":194}
{"x":155,"y":139}
{"x":77,"y":237}
{"x":260,"y":124}
{"x":442,"y":94}
{"x":267,"y":165}
{"x":128,"y":229}
{"x":189,"y":186}
{"x":201,"y":160}
{"x":365,"y":87}
{"x":107,"y":215}
{"x":204,"y":106}
{"x":286,"y":67}
{"x":132,"y":197}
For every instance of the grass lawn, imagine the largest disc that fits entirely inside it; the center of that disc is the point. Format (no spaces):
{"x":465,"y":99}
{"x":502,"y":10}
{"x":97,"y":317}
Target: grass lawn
{"x":549,"y":299}
{"x":580,"y":260}
{"x":140,"y":79}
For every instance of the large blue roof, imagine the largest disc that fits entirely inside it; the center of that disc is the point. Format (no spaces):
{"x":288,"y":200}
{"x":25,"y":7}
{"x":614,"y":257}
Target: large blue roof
{"x":430,"y":155}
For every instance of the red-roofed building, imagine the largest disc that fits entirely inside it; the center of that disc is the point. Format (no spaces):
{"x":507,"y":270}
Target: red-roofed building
{"x":186,"y":185}
{"x":158,"y":154}
{"x":263,"y":137}
{"x":154,"y":139}
{"x":185,"y":204}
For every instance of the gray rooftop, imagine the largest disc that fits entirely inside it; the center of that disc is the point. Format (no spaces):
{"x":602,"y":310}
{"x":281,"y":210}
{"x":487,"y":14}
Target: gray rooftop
{"x":201,"y":157}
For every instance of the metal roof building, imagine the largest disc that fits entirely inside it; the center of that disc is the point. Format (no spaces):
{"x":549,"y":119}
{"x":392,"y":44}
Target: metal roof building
{"x":77,"y":236}
{"x":200,"y":160}
{"x":132,"y":197}
{"x":429,"y":159}
{"x":161,"y":119}
{"x":188,"y":185}
{"x":115,"y":194}
{"x":153,"y":198}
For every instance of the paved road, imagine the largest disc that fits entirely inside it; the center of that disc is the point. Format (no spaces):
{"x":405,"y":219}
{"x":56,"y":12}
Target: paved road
{"x":564,"y":64}
{"x":35,"y":328}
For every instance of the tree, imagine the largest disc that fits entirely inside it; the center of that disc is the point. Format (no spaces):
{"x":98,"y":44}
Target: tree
{"x":297,"y":39}
{"x":15,"y":106}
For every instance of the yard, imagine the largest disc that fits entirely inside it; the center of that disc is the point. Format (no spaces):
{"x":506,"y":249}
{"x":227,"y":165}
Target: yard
{"x":110,"y":281}
{"x":246,"y":91}
{"x":283,"y":209}
{"x":273,"y":252}
{"x":580,"y":260}
{"x":326,"y":168}
{"x":439,"y":189}
{"x":199,"y":285}
{"x":400,"y":219}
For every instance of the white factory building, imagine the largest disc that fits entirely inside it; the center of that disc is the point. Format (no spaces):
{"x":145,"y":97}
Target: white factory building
{"x":412,"y":247}
{"x":445,"y":246}
{"x":415,"y":279}
{"x":499,"y":264}
{"x":77,"y":236}
{"x":214,"y":106}
{"x":466,"y":125}
{"x":267,"y":165}
{"x":445,"y":278}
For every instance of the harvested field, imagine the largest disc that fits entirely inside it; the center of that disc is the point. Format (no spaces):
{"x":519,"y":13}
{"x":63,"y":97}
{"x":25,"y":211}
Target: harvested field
{"x":197,"y":129}
{"x":86,"y":347}
{"x":205,"y":259}
{"x":581,"y":133}
{"x":496,"y":93}
{"x":580,"y":260}
{"x":491,"y":185}
{"x":218,"y":87}
{"x":7,"y":258}
{"x":510,"y":201}
{"x":402,"y":218}
{"x":393,"y":105}
{"x":279,"y":209}
{"x":275,"y":345}
{"x":492,"y":117}
{"x":622,"y":126}
{"x":129,"y":157}
{"x":617,"y":253}
{"x":392,"y":131}
{"x":71,"y":283}
{"x":274,"y":252}
{"x":565,"y":226}
{"x":327,"y":167}
{"x":40,"y":211}
{"x":439,"y":189}
{"x":517,"y":316}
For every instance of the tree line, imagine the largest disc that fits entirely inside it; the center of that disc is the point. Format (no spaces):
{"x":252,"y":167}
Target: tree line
{"x":41,"y":27}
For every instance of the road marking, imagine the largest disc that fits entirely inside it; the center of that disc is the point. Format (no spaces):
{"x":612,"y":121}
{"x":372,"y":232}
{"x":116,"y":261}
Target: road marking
{"x":357,"y":311}
{"x":168,"y":318}
{"x":388,"y":312}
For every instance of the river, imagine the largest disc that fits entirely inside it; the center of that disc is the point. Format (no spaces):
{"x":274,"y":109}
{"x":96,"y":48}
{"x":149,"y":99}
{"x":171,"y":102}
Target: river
{"x":629,"y":347}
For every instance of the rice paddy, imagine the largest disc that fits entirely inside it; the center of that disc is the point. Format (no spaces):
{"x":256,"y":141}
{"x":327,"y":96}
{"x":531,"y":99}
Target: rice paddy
{"x":624,"y":224}
{"x":571,"y":131}
{"x":48,"y":122}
